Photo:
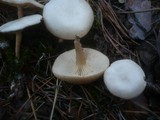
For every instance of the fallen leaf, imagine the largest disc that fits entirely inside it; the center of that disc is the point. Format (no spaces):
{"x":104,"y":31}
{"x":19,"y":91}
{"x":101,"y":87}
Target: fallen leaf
{"x":136,"y":33}
{"x":141,"y":21}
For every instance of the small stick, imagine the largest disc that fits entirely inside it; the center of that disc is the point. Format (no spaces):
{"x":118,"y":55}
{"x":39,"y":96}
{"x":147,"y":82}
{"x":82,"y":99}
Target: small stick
{"x":55,"y":99}
{"x":32,"y":105}
{"x":138,"y":11}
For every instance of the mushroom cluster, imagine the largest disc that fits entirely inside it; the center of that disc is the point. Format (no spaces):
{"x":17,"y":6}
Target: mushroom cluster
{"x":72,"y":20}
{"x":125,"y":79}
{"x":17,"y":25}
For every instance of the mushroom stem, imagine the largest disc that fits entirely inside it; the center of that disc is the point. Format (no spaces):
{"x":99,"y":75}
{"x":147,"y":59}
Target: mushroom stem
{"x":18,"y":35}
{"x":38,"y":4}
{"x":20,"y":12}
{"x":80,"y":55}
{"x":18,"y":43}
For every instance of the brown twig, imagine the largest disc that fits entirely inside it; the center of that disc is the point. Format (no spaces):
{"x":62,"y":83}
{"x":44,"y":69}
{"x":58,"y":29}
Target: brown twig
{"x":140,"y":11}
{"x":55,"y":98}
{"x":32,"y":105}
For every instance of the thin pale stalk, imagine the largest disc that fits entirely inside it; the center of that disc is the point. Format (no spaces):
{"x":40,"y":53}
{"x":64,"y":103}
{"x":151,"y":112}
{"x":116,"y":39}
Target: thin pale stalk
{"x":80,"y":55}
{"x":18,"y":43}
{"x":37,"y":4}
{"x":20,"y":11}
{"x":18,"y":35}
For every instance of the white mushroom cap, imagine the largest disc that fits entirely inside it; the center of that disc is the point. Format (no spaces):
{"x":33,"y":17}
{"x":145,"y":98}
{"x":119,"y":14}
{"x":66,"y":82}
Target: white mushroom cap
{"x":68,"y":18}
{"x":125,"y":79}
{"x":21,"y":23}
{"x":23,"y":2}
{"x":65,"y":67}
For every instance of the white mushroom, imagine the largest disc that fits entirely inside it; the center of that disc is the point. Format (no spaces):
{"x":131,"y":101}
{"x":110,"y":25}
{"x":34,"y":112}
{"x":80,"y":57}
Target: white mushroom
{"x":17,"y":25}
{"x":121,"y":1}
{"x":80,"y":66}
{"x":125,"y":79}
{"x":20,"y":4}
{"x":23,"y":3}
{"x":68,"y":18}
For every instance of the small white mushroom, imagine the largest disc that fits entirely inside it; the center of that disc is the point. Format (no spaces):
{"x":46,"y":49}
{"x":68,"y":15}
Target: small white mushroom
{"x":68,"y":18}
{"x":121,"y":1}
{"x":17,"y":25}
{"x":20,"y":4}
{"x":80,"y":66}
{"x":125,"y":79}
{"x":23,"y":3}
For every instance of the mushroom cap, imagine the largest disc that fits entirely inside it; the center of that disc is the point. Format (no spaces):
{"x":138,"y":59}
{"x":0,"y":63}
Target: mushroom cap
{"x":65,"y":67}
{"x":21,"y":23}
{"x":68,"y":18}
{"x":125,"y":79}
{"x":23,"y":3}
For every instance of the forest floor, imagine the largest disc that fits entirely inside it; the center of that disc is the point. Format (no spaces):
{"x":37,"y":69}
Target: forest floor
{"x":121,"y":30}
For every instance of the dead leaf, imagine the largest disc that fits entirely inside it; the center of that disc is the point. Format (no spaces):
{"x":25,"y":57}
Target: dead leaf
{"x":141,"y":21}
{"x":136,"y":33}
